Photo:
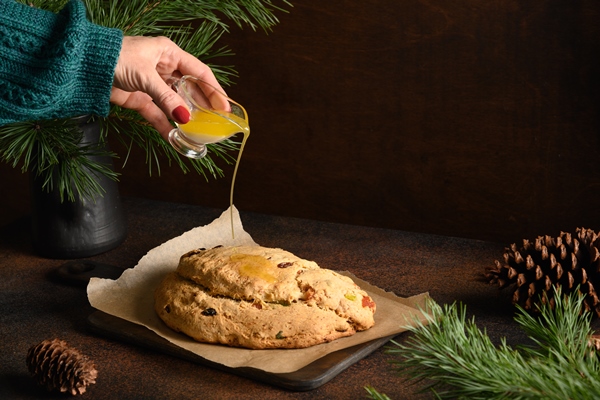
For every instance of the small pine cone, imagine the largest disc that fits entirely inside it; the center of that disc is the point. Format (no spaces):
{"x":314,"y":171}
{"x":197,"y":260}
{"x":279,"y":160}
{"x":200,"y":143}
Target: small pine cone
{"x":568,"y":262}
{"x":57,"y":366}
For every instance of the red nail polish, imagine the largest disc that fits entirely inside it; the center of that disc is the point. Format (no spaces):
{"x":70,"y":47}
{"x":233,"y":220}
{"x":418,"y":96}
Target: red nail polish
{"x":181,"y":115}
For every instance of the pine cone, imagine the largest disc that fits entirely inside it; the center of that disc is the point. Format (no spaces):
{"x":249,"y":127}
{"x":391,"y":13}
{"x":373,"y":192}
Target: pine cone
{"x":57,"y":366}
{"x":569,"y":262}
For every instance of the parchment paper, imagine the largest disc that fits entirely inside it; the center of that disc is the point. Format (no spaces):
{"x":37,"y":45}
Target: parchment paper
{"x":131,"y":297}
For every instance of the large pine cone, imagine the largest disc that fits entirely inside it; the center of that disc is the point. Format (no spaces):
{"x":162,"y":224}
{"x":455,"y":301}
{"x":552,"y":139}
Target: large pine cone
{"x":57,"y":366}
{"x":569,"y":262}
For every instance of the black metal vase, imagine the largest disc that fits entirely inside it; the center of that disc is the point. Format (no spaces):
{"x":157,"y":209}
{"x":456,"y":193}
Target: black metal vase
{"x":85,"y":227}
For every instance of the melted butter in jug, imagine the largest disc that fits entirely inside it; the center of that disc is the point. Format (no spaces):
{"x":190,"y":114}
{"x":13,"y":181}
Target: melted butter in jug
{"x":253,"y":266}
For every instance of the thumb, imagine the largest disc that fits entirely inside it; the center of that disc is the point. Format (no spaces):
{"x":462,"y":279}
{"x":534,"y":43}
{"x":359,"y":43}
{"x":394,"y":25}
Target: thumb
{"x":168,"y":100}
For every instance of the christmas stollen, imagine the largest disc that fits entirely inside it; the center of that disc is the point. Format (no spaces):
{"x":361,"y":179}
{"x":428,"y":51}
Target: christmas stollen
{"x":260,"y":298}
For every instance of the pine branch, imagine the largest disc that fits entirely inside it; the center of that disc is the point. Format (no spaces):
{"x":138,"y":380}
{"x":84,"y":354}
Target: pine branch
{"x":455,"y":359}
{"x":51,"y":151}
{"x":50,"y":5}
{"x":145,"y":17}
{"x":375,"y":395}
{"x":254,"y":13}
{"x":142,"y":17}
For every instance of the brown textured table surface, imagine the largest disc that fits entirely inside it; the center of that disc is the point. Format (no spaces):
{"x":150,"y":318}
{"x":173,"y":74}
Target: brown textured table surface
{"x":35,"y":306}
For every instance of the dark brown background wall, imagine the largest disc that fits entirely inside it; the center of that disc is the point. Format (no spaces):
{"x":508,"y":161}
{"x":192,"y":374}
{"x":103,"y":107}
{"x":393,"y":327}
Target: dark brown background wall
{"x":463,"y":118}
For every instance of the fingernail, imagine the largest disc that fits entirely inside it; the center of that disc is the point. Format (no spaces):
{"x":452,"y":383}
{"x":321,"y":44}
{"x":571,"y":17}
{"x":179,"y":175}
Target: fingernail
{"x":181,"y":115}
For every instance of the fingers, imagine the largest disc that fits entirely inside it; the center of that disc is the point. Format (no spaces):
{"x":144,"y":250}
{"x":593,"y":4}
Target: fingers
{"x":143,"y":104}
{"x":190,"y":65}
{"x":153,"y":114}
{"x":167,"y":99}
{"x":218,"y":101}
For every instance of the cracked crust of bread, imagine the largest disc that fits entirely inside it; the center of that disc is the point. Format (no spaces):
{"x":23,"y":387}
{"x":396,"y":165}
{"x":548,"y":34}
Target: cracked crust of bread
{"x":260,"y":298}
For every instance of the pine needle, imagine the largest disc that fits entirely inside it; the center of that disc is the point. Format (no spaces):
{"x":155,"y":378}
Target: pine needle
{"x":453,"y":358}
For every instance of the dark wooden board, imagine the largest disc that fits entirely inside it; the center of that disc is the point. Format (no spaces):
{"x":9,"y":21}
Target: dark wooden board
{"x":310,"y":377}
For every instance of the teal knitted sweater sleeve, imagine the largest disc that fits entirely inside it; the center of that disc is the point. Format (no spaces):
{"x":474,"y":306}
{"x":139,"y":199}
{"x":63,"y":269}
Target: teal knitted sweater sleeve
{"x":54,"y":65}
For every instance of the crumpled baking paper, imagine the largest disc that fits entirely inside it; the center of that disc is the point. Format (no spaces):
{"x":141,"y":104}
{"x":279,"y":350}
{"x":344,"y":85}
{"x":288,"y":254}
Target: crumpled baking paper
{"x":131,"y":297}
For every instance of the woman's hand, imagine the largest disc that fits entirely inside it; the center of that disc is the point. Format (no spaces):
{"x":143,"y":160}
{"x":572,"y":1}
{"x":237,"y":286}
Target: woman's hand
{"x":144,"y":65}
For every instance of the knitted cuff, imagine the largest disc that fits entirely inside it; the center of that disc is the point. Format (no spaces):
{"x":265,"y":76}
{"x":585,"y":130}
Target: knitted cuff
{"x":97,"y":50}
{"x":54,"y":65}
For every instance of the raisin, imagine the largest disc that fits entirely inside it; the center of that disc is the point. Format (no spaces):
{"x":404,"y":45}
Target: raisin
{"x":279,"y":335}
{"x":209,"y":312}
{"x":168,"y":309}
{"x":285,"y":264}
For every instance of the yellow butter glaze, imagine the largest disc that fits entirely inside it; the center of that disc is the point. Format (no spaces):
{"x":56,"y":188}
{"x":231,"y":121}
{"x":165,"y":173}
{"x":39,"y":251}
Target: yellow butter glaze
{"x":253,"y":266}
